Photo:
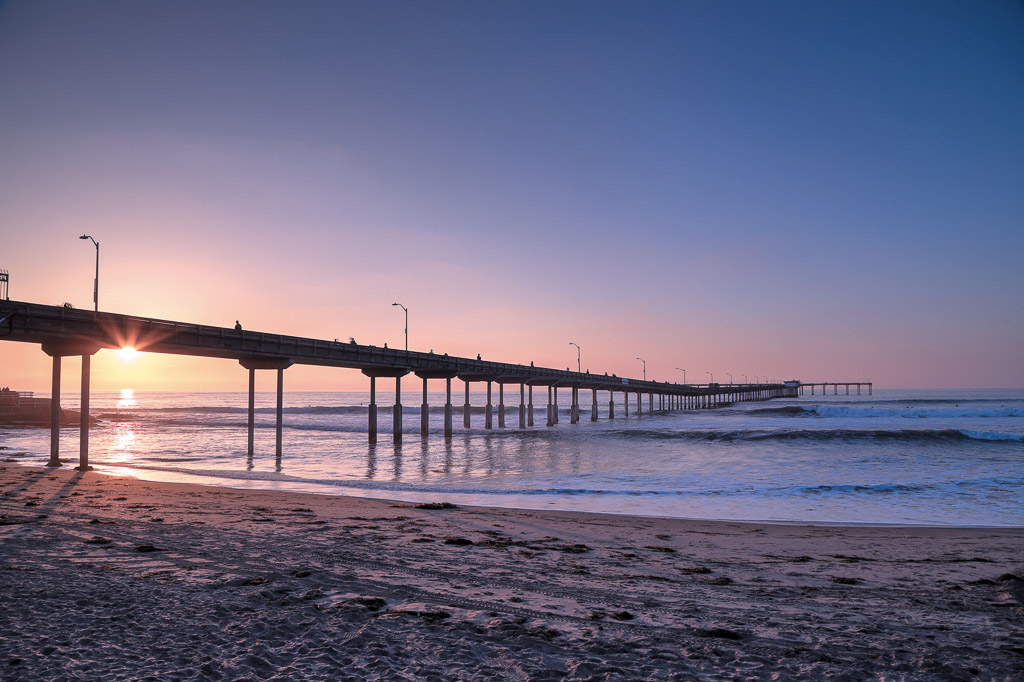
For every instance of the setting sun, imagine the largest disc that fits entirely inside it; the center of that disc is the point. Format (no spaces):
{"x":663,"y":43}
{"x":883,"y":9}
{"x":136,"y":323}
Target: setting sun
{"x":127,"y":354}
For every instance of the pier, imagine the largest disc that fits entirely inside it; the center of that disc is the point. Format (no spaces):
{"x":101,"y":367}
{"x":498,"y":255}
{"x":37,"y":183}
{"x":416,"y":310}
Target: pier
{"x":64,"y":331}
{"x":835,"y":386}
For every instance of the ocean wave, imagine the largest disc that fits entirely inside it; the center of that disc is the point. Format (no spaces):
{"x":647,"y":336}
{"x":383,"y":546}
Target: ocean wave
{"x":994,"y":436}
{"x":795,"y":410}
{"x":900,"y":435}
{"x":863,"y":489}
{"x":907,"y":411}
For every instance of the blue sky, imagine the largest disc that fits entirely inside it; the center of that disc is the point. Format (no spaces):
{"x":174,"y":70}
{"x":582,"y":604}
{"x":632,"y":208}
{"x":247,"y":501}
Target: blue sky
{"x":827,"y":191}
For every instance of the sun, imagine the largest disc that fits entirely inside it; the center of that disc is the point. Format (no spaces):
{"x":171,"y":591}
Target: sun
{"x":127,"y":354}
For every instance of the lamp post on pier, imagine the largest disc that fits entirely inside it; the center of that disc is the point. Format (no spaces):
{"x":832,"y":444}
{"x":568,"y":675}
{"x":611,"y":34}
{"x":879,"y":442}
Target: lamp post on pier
{"x":745,"y":380}
{"x":730,"y":378}
{"x":406,"y":324}
{"x":712,"y":376}
{"x":579,"y":367}
{"x":96,"y":282}
{"x":684,"y":374}
{"x":645,"y":367}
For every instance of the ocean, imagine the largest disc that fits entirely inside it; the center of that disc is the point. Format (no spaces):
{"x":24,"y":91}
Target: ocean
{"x":933,"y":457}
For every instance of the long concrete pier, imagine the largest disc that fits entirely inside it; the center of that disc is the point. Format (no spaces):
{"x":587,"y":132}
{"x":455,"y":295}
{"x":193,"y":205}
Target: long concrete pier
{"x":63,"y":332}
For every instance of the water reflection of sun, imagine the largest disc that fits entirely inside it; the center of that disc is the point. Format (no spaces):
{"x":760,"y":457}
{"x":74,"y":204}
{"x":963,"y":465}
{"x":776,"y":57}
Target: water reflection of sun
{"x":127,"y":399}
{"x":124,"y":431}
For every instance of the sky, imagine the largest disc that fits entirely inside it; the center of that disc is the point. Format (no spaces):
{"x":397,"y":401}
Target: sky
{"x":824,"y":191}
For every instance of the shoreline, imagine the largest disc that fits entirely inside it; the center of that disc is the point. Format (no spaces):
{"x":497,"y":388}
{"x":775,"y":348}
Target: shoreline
{"x":346,"y":492}
{"x":390,"y":500}
{"x":178,"y":579}
{"x":427,"y":497}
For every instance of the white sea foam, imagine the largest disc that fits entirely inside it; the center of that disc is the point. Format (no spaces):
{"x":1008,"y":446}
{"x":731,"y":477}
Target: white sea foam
{"x":916,"y":412}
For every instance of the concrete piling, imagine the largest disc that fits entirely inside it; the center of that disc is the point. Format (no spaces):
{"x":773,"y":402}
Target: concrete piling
{"x":55,"y":414}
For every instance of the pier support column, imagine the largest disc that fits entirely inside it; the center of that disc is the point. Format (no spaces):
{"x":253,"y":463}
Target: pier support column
{"x":611,"y":404}
{"x":488,"y":417}
{"x":252,"y":410}
{"x":625,"y":403}
{"x":650,"y":403}
{"x":252,"y":364}
{"x":448,"y":408}
{"x":83,"y":425}
{"x":529,"y":413}
{"x":465,"y":409}
{"x":501,"y":406}
{"x":55,"y":414}
{"x":424,"y":413}
{"x":551,"y":420}
{"x":574,"y":410}
{"x":639,"y":403}
{"x":398,"y":411}
{"x":522,"y":406}
{"x":280,"y":412}
{"x":371,"y":426}
{"x":593,"y":405}
{"x":554,"y":411}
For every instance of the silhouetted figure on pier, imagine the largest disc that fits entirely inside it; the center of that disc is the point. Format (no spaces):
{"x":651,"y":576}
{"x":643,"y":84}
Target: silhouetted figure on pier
{"x":238,"y":326}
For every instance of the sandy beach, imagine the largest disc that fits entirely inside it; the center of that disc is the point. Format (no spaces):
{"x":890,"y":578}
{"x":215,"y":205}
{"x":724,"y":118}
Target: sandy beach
{"x":115,"y":578}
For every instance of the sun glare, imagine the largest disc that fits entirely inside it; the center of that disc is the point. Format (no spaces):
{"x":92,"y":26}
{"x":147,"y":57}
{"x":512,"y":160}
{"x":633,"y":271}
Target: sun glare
{"x":127,"y":354}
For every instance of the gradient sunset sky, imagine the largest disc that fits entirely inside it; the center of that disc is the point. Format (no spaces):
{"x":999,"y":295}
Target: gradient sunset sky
{"x":812,"y":190}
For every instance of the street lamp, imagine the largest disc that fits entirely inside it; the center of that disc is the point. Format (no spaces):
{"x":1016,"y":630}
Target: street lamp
{"x":579,"y":367}
{"x":406,"y":324}
{"x":756,"y":380}
{"x":712,"y":376}
{"x":745,"y":380}
{"x":645,"y":367}
{"x":684,"y":374}
{"x":730,"y":378}
{"x":96,"y":282}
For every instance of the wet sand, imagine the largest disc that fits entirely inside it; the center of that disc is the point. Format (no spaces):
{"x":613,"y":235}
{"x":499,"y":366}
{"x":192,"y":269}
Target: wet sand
{"x":115,"y":578}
